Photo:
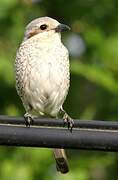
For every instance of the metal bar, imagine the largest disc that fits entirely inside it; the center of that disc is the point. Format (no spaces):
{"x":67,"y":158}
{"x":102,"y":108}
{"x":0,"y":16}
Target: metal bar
{"x":90,"y":124}
{"x":105,"y":140}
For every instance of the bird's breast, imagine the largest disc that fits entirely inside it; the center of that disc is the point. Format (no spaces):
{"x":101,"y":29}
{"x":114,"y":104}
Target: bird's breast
{"x":46,"y":76}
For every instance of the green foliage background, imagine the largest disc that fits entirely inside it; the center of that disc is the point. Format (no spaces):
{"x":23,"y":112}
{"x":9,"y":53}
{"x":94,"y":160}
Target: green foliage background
{"x":94,"y":83}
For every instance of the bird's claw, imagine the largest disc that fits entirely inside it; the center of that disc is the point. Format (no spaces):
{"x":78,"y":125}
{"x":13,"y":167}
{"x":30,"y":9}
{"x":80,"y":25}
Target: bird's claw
{"x":28,"y":120}
{"x":69,"y":121}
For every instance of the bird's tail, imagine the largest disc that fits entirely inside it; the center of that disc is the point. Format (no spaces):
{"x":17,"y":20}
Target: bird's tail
{"x":61,"y":160}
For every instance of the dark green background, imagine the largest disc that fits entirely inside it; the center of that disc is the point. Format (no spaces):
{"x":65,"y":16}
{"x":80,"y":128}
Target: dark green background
{"x":94,"y":83}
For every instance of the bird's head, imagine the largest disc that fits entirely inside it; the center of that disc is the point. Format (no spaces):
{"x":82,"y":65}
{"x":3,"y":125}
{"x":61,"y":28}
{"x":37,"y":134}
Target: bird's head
{"x":45,"y":27}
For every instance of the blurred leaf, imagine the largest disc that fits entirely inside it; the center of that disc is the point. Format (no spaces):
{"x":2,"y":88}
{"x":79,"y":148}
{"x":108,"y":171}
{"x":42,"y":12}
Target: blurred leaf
{"x":109,"y":53}
{"x":96,"y":75}
{"x":5,"y":5}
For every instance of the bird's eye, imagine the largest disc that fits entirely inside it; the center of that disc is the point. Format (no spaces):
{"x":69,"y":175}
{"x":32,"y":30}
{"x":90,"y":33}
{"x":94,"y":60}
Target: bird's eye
{"x":43,"y":27}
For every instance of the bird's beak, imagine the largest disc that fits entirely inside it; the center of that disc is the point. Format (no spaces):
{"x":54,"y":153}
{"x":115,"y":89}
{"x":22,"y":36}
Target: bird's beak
{"x":61,"y":28}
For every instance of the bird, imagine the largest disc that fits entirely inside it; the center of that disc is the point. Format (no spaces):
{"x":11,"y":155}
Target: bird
{"x":43,"y":75}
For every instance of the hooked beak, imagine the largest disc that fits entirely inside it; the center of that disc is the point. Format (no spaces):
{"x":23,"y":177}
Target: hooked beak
{"x":61,"y":28}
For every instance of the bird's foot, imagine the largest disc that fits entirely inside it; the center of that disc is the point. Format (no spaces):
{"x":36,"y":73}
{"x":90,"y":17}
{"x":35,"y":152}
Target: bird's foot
{"x":28,"y":120}
{"x":69,"y":121}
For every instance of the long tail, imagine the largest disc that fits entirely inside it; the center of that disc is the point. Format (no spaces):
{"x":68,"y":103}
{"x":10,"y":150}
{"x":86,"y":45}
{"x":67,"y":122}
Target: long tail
{"x":61,"y":160}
